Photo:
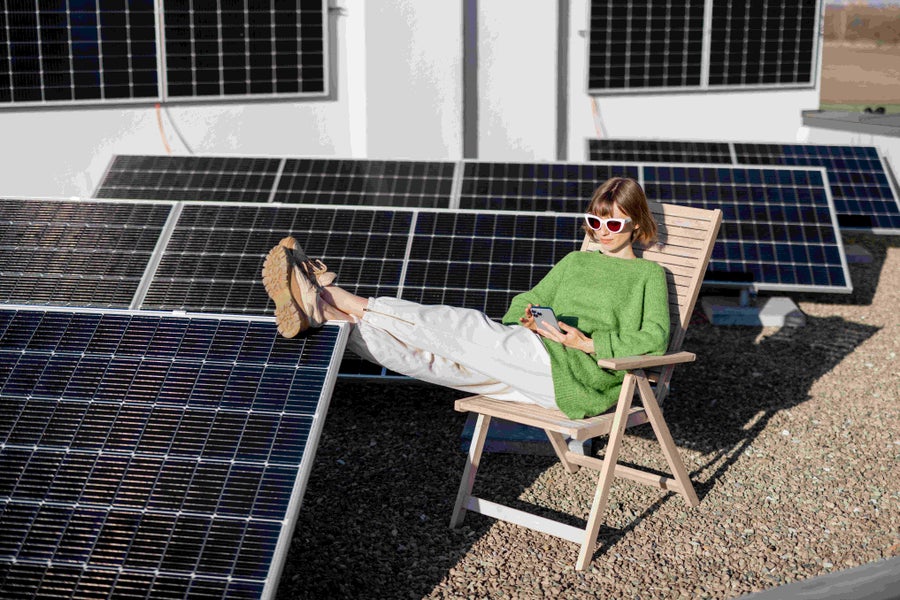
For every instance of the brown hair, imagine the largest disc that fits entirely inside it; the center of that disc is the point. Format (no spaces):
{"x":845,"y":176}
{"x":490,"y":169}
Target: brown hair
{"x":630,"y":198}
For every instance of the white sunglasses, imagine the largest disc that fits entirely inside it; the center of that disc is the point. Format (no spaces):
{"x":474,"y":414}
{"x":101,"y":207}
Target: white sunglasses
{"x":614,"y":225}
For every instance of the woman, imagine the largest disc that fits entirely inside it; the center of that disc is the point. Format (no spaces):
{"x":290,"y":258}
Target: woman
{"x":608,"y":303}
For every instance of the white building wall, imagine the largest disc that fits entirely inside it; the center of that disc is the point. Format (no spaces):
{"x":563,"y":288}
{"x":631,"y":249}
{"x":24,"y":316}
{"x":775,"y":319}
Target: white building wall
{"x":399,"y":94}
{"x":517,"y":53}
{"x":414,"y":77}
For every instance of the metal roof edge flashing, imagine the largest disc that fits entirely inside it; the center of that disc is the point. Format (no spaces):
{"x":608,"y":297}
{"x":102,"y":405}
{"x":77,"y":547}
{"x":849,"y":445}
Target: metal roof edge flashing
{"x":870,"y":123}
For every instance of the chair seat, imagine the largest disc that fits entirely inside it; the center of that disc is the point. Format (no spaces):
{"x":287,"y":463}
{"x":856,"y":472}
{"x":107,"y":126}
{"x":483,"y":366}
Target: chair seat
{"x":547,"y":419}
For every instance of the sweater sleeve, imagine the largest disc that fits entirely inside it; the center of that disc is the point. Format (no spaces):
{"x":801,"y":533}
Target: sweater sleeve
{"x":653,"y":335}
{"x":541,"y":294}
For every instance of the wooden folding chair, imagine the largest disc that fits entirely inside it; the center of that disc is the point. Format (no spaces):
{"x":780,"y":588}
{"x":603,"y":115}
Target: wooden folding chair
{"x":686,"y":237}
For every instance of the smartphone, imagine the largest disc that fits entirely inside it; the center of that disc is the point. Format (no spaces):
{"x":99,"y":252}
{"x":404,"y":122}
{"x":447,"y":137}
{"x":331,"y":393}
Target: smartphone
{"x":544,"y":314}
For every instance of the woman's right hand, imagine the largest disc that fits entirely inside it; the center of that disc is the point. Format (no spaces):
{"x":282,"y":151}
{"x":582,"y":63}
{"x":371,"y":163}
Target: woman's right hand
{"x":528,"y":320}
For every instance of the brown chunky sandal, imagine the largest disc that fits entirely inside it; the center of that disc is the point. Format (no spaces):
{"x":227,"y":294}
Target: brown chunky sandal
{"x":277,"y":276}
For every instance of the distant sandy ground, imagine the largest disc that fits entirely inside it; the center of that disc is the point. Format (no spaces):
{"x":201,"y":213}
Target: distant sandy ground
{"x":860,"y":73}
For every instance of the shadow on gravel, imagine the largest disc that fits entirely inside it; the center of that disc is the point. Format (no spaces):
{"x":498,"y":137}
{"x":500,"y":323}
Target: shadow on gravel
{"x":721,"y":403}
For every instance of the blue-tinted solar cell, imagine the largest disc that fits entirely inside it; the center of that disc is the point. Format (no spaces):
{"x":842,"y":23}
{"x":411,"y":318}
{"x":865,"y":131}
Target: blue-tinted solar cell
{"x":108,"y":334}
{"x":210,"y":385}
{"x":140,"y":466}
{"x":17,"y":338}
{"x":242,"y":384}
{"x":6,"y":318}
{"x":272,"y":488}
{"x":196,"y":340}
{"x":48,"y":333}
{"x":79,"y":333}
{"x":137,"y":336}
{"x":148,"y":381}
{"x":228,"y":340}
{"x":179,"y":383}
{"x":257,"y":344}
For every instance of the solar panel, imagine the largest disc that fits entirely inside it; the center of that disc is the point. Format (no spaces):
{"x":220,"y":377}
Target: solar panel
{"x":93,"y":52}
{"x":860,"y":180}
{"x":778,"y":229}
{"x":659,"y":151}
{"x":481,"y":260}
{"x":154,"y":456}
{"x":763,"y":42}
{"x":227,"y":179}
{"x":642,"y":44}
{"x":558,"y":187}
{"x":53,"y":52}
{"x":403,"y":183}
{"x":233,"y":49}
{"x":76,"y":253}
{"x":213,"y":259}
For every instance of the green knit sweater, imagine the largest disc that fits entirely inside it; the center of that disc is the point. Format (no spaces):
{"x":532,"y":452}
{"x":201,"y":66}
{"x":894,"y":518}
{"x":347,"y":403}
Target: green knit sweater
{"x":622,"y":304}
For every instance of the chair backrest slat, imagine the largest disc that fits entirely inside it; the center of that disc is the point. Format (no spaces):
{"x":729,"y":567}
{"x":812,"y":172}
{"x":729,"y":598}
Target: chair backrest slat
{"x":684,"y":245}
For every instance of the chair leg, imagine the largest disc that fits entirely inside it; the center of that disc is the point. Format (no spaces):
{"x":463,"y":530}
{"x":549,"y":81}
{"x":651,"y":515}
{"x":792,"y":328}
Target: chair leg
{"x":673,"y":457}
{"x":468,"y":476}
{"x":607,"y":473}
{"x":560,"y":447}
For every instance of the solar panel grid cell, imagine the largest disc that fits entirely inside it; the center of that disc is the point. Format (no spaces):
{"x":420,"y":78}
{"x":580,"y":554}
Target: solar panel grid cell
{"x":130,"y":487}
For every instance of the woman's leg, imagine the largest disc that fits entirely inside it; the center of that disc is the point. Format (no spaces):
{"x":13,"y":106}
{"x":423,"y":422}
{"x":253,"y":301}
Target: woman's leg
{"x":344,"y":301}
{"x":456,"y":347}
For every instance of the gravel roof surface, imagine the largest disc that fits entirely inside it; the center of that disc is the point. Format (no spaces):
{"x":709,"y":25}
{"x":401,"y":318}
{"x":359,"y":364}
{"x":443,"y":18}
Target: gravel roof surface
{"x":791,"y":437}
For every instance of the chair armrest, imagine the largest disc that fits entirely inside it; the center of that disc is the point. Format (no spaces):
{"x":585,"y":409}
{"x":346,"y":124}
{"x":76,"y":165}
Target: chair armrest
{"x":628,"y":363}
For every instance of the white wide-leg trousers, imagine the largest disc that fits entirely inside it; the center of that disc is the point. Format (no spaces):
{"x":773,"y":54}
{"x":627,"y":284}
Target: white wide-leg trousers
{"x":455,"y":347}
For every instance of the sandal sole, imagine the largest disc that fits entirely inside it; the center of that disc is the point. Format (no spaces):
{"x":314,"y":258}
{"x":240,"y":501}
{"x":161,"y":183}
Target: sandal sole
{"x":276,"y":277}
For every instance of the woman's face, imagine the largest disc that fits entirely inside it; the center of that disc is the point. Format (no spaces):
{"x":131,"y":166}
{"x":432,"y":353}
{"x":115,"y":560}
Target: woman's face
{"x":619,"y":243}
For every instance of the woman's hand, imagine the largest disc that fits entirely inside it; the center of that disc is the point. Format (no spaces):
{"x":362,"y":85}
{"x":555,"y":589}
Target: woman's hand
{"x":570,"y":336}
{"x":528,"y":320}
